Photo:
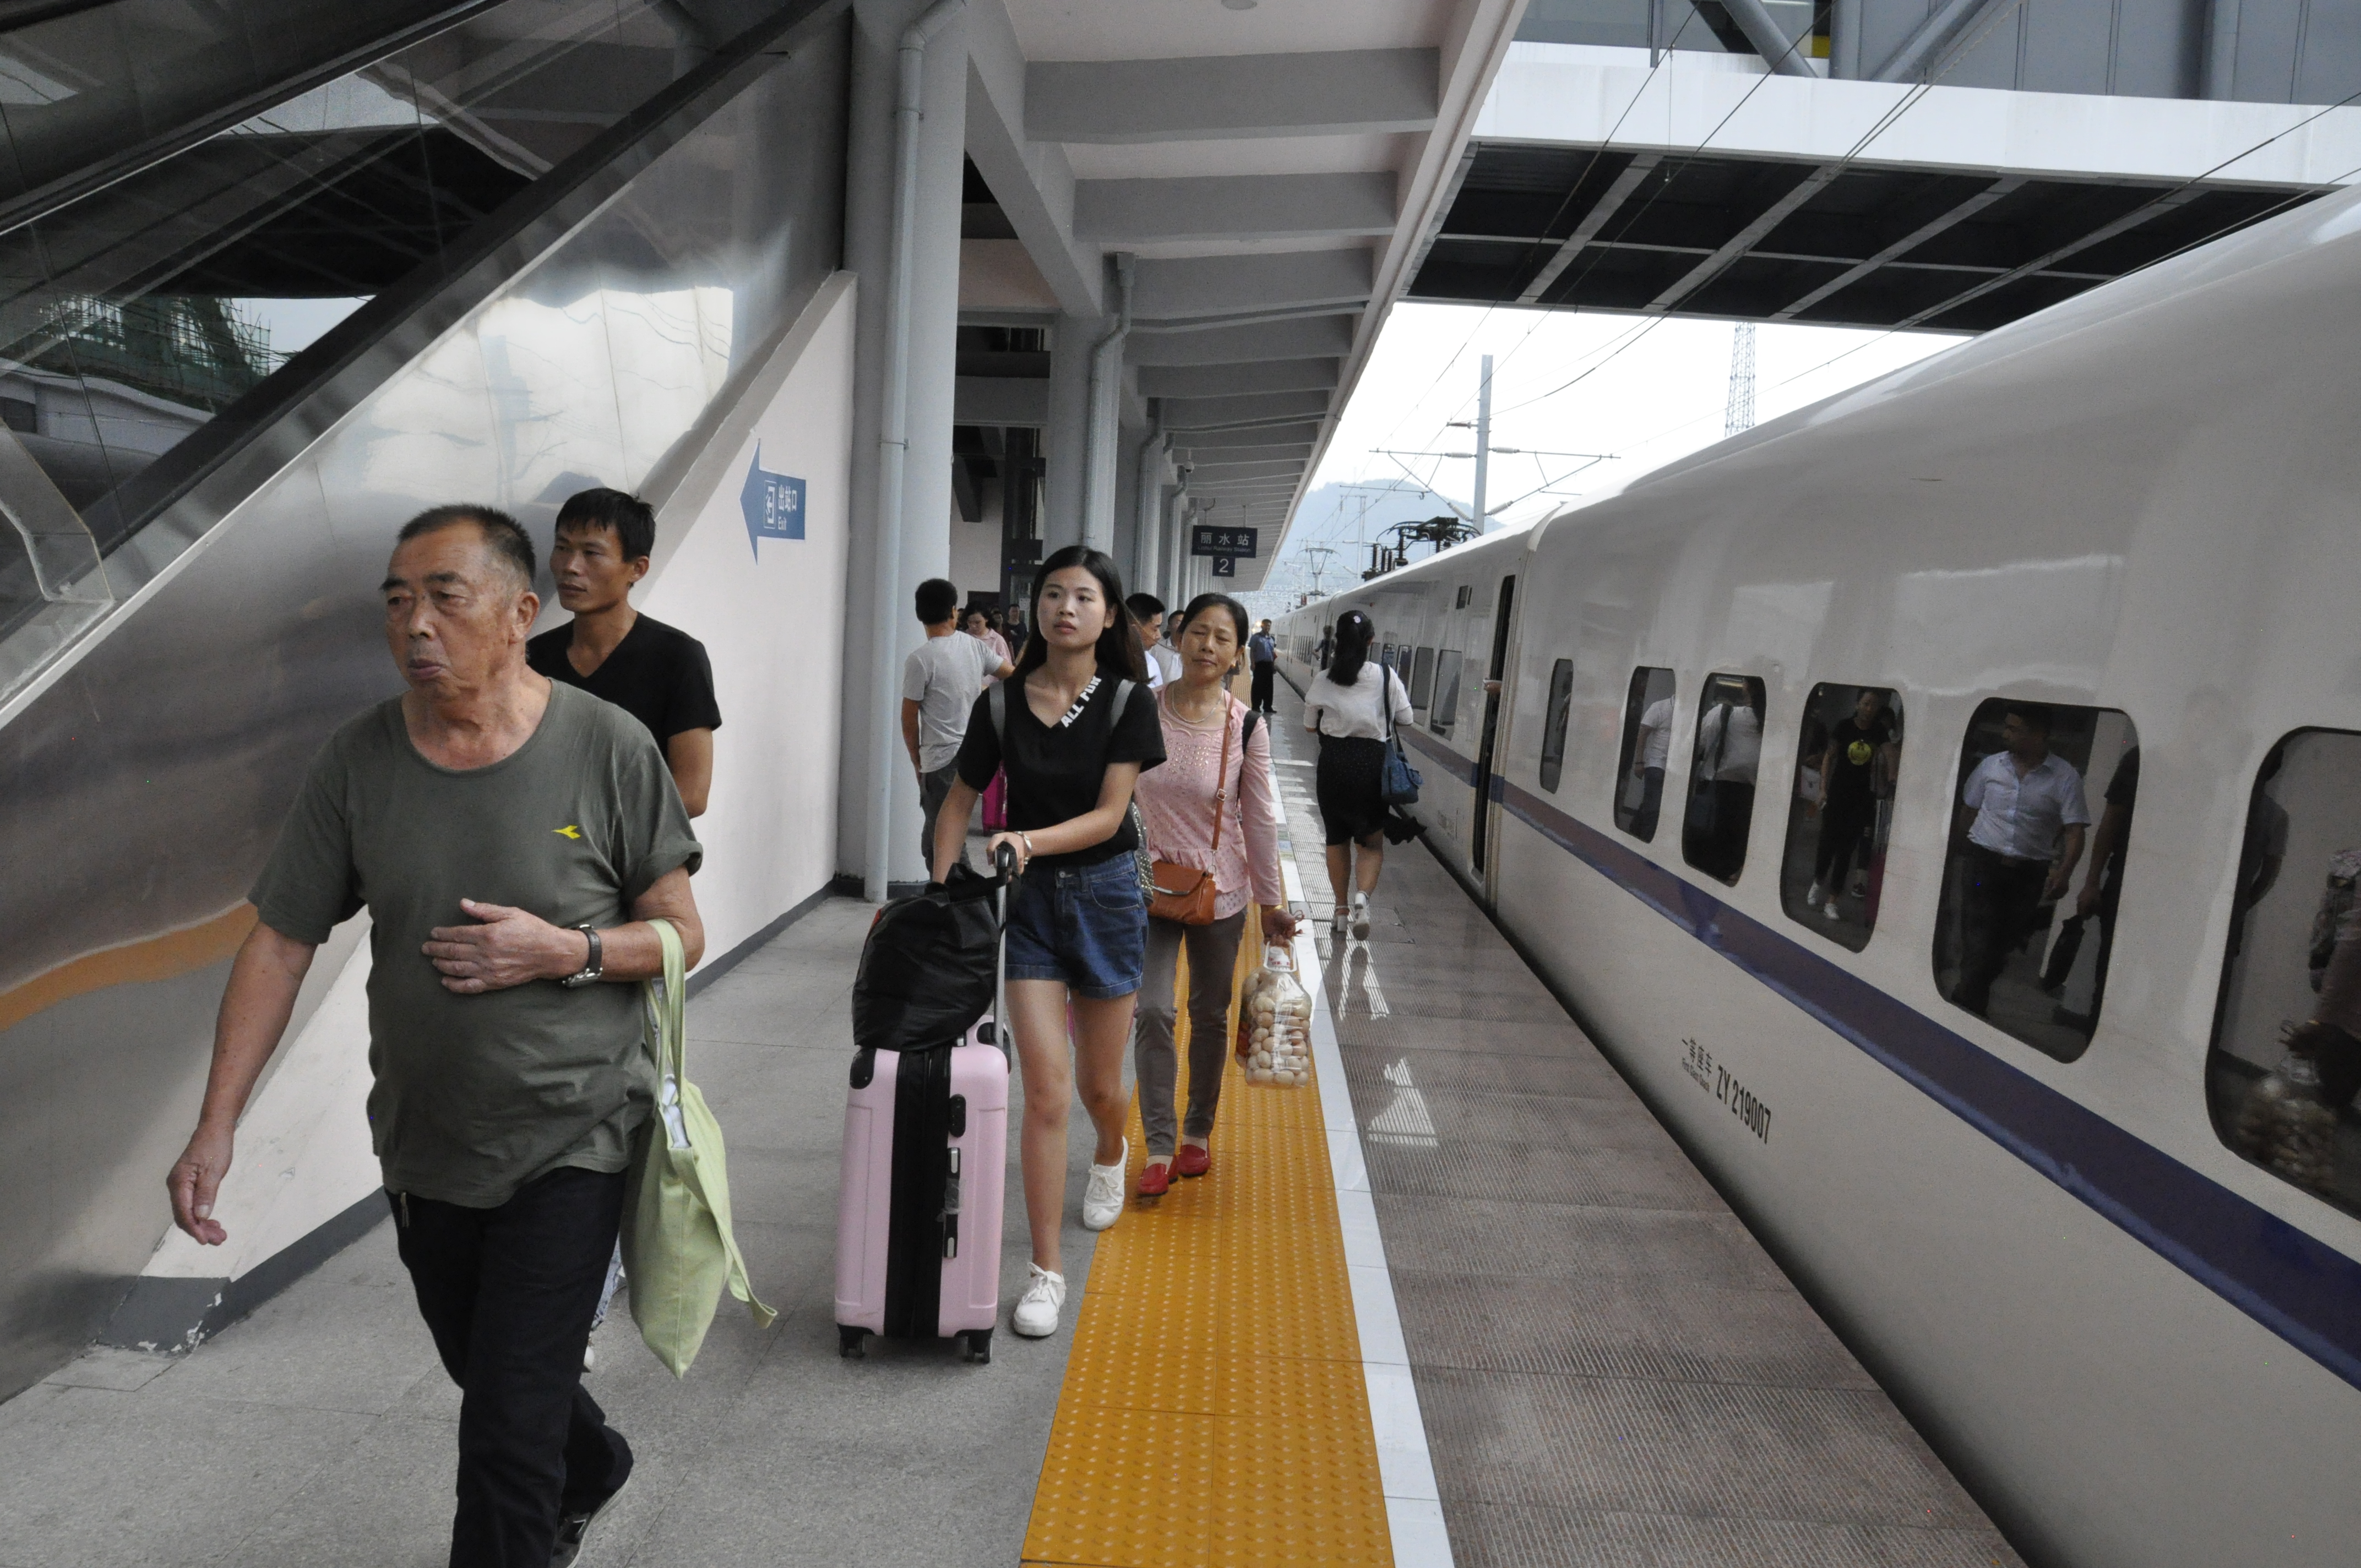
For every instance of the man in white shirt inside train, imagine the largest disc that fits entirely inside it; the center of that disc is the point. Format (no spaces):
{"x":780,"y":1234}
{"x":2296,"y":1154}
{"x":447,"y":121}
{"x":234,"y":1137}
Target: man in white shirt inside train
{"x":2029,"y":817}
{"x":1654,"y":748}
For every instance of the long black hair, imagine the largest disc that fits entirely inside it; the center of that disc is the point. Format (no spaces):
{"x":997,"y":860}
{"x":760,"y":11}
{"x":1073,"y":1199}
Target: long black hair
{"x":1119,"y":651}
{"x":1355,"y":631}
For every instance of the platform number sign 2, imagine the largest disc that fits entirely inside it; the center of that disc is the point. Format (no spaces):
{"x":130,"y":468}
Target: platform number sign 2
{"x":773,"y":504}
{"x":1226,"y":566}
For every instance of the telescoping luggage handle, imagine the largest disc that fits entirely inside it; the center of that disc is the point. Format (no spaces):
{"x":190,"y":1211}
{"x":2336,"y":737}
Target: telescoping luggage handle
{"x":1004,"y":863}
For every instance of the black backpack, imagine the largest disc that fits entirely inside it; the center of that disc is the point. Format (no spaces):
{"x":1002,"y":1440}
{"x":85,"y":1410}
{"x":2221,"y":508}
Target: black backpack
{"x":928,"y":967}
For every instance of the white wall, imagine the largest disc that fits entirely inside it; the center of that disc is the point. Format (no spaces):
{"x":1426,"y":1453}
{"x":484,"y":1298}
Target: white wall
{"x":775,"y":627}
{"x":772,"y":618}
{"x":976,"y":548}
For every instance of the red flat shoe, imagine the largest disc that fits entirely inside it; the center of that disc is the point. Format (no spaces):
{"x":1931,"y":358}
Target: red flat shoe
{"x":1193,"y":1160}
{"x":1156,"y":1181}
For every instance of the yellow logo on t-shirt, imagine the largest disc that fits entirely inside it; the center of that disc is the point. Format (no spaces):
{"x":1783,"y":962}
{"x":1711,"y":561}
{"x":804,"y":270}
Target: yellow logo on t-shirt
{"x":1857,"y":754}
{"x":569,"y":831}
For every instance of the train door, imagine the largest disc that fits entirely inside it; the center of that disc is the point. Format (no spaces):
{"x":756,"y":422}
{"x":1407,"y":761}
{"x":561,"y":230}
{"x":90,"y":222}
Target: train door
{"x":1481,"y":834}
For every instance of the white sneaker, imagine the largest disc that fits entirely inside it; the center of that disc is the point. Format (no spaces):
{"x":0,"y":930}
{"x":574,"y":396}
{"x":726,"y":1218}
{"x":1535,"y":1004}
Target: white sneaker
{"x":1103,"y":1199}
{"x":1037,"y":1311}
{"x":1336,"y":921}
{"x":1360,"y":917}
{"x":1831,"y":911}
{"x":1812,"y":896}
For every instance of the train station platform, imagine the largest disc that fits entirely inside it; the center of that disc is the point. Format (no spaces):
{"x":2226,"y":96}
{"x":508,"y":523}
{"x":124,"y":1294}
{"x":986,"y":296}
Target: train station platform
{"x":1462,"y":1301}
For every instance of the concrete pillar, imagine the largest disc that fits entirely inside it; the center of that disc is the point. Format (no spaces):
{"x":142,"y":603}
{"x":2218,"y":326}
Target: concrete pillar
{"x":924,"y":523}
{"x":1123,"y":533}
{"x":1067,"y":435}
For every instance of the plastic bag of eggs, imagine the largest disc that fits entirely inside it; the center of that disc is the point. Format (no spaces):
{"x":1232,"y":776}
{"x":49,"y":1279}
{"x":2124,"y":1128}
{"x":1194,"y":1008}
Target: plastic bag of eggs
{"x":1275,"y":1026}
{"x":2284,"y":1125}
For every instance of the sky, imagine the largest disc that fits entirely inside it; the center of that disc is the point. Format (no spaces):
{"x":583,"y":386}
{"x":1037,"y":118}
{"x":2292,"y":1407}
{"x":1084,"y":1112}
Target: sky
{"x":1593,"y":400}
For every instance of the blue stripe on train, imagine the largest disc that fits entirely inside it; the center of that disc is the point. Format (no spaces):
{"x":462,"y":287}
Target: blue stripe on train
{"x":2297,"y":1287}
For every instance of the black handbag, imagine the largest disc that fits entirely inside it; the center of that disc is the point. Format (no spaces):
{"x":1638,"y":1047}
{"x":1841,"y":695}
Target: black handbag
{"x":928,"y":967}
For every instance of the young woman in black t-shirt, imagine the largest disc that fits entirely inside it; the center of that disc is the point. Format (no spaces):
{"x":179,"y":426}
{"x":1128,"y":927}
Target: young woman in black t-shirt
{"x":1077,"y":926}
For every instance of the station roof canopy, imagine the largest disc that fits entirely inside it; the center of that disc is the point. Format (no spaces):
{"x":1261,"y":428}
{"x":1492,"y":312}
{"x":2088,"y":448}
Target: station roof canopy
{"x":1271,"y":166}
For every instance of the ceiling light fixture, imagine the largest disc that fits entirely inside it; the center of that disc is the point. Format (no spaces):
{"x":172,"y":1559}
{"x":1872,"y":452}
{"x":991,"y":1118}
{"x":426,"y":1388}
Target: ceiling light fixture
{"x":1240,"y":5}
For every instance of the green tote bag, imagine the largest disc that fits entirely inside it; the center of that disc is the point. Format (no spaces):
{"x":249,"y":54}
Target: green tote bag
{"x":678,"y":1251}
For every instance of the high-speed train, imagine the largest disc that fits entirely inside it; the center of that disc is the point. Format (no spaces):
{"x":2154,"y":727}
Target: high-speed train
{"x":2042,"y":1160}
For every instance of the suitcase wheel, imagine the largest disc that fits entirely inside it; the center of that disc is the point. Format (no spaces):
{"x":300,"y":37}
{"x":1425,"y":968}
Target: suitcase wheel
{"x":848,"y":1341}
{"x":979,"y":1346}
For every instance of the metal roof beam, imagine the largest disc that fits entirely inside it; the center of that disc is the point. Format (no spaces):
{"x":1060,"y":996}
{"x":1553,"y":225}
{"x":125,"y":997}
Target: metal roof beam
{"x":1916,"y":238}
{"x":1606,"y":207}
{"x":1741,"y":242}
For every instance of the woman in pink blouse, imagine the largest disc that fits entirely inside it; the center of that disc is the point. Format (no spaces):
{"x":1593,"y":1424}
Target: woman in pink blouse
{"x":1179,"y":802}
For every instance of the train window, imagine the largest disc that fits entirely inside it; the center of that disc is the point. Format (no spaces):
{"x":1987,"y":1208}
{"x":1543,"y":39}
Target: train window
{"x":1445,"y":711}
{"x":1834,"y":867}
{"x":2027,"y":912}
{"x":2287,"y":1032}
{"x":1421,"y":677}
{"x":1647,"y":743}
{"x":1466,"y":592}
{"x":1721,"y":775}
{"x":1561,"y":704}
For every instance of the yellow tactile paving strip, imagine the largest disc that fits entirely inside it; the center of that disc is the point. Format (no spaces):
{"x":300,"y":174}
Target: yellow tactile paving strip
{"x":1214,"y":1412}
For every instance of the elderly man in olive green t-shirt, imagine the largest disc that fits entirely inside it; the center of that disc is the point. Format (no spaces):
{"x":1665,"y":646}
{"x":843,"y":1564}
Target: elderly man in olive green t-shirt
{"x":510,"y":840}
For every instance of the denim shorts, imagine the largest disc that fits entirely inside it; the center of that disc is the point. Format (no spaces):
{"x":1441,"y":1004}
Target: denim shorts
{"x":1086,"y":926}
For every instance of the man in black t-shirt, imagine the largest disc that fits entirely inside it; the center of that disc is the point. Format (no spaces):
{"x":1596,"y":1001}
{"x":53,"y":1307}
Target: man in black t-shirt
{"x":656,"y":674}
{"x":1858,"y":747}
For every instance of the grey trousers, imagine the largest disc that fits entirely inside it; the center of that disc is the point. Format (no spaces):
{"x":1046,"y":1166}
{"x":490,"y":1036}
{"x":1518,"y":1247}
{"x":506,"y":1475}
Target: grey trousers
{"x":932,"y":788}
{"x":1213,"y":970}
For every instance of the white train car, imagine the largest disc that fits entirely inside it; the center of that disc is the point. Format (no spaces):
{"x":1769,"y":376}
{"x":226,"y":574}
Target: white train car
{"x":2123,"y":1302}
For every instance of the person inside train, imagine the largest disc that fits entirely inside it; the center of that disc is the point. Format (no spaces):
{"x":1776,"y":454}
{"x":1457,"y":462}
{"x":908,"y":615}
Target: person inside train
{"x":1353,"y":705}
{"x":1325,"y":648}
{"x":2024,"y":817}
{"x":1721,"y":801}
{"x":510,"y":1076}
{"x":1649,"y":755}
{"x":1077,"y":931}
{"x":657,"y":673}
{"x":1859,"y":747}
{"x":1211,"y":814}
{"x":2101,"y":895}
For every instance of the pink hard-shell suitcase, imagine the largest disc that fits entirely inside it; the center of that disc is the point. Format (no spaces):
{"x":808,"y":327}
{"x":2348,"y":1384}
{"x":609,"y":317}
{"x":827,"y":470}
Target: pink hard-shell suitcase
{"x":918,"y":1208}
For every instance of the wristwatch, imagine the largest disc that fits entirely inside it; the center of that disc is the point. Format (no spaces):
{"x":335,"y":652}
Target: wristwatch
{"x":592,"y":966}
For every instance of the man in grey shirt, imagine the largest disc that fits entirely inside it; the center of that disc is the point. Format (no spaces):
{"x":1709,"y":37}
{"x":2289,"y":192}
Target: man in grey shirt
{"x":940,"y":681}
{"x":511,"y":838}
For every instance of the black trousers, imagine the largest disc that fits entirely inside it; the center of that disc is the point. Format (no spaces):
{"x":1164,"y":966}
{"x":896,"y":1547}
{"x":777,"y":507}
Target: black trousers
{"x":507,"y":1294}
{"x":1259,"y":694}
{"x":1996,"y":911}
{"x":1842,"y":821}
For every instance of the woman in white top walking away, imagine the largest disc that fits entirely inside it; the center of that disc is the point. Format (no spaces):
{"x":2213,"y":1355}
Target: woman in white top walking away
{"x":1351,"y":706}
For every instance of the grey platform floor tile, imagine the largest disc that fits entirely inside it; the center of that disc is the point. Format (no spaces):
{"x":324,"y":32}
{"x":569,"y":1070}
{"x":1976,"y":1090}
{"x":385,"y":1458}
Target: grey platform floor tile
{"x":1579,"y":1072}
{"x":1540,"y":1037}
{"x":1658,"y":1177}
{"x":1534,"y":1122}
{"x":774,"y":1010}
{"x":1447,"y":1236}
{"x":385,"y":1500}
{"x":98,"y":1478}
{"x":1715,"y":1449}
{"x":106,"y":1366}
{"x":1621,"y":1325}
{"x":347,"y":1337}
{"x":1492,"y":1535}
